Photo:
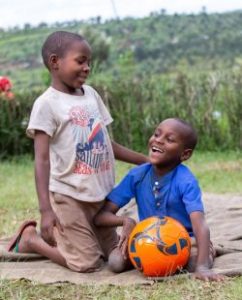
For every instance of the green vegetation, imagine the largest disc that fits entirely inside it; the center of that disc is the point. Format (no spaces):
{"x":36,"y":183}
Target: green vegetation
{"x":187,"y":66}
{"x":218,"y":172}
{"x":17,"y":193}
{"x":170,"y":289}
{"x":160,"y":43}
{"x":212,"y":103}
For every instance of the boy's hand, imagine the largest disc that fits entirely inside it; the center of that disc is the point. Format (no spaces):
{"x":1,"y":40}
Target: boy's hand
{"x":128,"y":225}
{"x":206,"y":274}
{"x":48,"y":221}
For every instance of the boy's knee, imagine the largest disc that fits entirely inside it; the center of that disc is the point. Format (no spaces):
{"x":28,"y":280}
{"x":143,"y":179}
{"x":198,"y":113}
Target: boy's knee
{"x":117,"y":263}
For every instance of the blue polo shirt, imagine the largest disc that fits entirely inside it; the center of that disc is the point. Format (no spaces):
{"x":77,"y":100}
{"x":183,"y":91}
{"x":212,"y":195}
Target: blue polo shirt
{"x":176,"y":194}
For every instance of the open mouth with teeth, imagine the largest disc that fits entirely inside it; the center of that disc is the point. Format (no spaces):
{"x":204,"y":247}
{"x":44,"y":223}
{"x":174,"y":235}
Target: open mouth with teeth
{"x":157,"y":149}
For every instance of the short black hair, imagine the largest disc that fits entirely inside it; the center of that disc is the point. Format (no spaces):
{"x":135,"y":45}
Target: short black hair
{"x":190,"y":134}
{"x":58,"y":43}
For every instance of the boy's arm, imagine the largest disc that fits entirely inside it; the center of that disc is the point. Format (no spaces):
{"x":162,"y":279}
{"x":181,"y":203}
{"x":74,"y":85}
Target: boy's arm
{"x":202,"y":235}
{"x":127,"y":155}
{"x":107,"y":217}
{"x":42,"y":174}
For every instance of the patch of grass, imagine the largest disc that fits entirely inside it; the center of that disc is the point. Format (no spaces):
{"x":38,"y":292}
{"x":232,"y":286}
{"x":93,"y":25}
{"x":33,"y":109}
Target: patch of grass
{"x":18,"y":199}
{"x":218,"y":172}
{"x":169,"y":289}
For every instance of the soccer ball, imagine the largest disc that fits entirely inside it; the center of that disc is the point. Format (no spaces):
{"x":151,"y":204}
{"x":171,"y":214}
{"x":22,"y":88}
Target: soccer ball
{"x":159,"y":247}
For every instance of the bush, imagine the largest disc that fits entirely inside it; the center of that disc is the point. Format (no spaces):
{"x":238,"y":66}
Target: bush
{"x":14,"y":115}
{"x":212,"y":103}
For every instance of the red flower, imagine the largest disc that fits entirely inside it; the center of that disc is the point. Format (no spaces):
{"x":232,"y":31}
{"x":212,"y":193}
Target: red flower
{"x":5,"y":84}
{"x":5,"y":88}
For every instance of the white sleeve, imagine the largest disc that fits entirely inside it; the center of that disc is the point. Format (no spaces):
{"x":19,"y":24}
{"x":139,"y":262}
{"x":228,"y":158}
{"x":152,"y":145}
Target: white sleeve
{"x":41,"y":118}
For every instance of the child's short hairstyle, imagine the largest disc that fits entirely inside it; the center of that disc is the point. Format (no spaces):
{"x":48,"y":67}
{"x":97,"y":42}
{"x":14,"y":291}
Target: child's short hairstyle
{"x":190,"y":135}
{"x":58,"y":43}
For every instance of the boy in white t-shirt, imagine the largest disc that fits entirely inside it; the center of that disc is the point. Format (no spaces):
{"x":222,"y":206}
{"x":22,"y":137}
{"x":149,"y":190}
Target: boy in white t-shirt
{"x":74,"y":161}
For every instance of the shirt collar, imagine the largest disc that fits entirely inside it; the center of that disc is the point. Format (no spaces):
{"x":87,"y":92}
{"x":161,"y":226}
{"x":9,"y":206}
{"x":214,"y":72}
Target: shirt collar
{"x":162,"y":180}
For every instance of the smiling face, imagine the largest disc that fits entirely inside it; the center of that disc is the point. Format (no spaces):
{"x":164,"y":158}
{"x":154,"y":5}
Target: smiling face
{"x":167,"y":146}
{"x":70,"y":71}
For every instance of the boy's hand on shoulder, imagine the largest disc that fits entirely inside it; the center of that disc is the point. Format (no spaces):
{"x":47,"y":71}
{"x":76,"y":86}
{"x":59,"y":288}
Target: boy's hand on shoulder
{"x":49,"y":220}
{"x":205,"y":274}
{"x":128,"y":226}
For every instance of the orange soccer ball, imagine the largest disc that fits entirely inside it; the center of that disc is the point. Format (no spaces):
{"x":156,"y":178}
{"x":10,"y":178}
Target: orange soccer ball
{"x":159,"y":247}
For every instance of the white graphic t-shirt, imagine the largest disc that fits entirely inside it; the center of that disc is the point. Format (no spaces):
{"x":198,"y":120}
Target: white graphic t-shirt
{"x":81,"y":155}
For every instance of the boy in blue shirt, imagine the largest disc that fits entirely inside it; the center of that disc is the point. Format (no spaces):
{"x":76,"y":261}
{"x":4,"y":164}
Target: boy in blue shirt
{"x":163,"y":187}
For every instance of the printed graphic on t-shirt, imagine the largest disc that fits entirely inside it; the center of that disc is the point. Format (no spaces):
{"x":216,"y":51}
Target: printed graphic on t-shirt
{"x":91,"y":149}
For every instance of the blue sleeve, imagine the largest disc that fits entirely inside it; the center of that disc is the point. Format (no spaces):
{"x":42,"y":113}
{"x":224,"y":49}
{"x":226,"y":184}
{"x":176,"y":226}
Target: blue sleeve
{"x":191,"y":197}
{"x":123,"y":192}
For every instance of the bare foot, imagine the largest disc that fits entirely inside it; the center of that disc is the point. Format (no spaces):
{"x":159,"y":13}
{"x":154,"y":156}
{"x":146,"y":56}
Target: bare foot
{"x":27,"y":238}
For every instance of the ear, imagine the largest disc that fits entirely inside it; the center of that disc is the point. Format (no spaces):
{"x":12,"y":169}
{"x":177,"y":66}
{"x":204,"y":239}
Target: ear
{"x":186,"y":154}
{"x":54,"y":61}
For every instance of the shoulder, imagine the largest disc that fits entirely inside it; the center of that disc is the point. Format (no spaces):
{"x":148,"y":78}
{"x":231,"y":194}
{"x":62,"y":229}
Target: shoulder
{"x":184,"y":173}
{"x":185,"y":179}
{"x":89,"y":90}
{"x":45,"y":97}
{"x":91,"y":93}
{"x":44,"y":107}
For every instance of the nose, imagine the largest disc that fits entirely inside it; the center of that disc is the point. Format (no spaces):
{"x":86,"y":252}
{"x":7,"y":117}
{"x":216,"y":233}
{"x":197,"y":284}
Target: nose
{"x":86,"y":67}
{"x":159,"y":139}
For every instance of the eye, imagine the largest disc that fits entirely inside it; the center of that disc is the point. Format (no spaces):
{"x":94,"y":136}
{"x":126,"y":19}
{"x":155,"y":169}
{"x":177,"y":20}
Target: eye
{"x":170,"y":140}
{"x":80,"y":61}
{"x":84,"y":60}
